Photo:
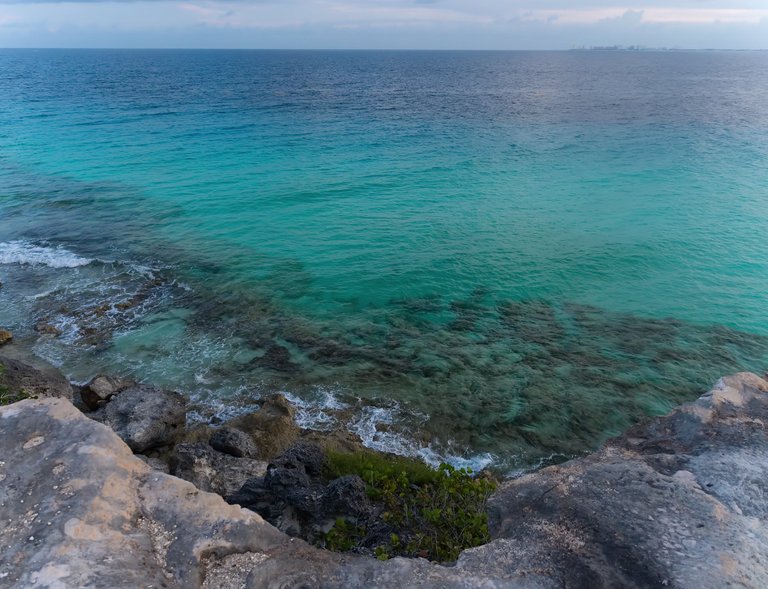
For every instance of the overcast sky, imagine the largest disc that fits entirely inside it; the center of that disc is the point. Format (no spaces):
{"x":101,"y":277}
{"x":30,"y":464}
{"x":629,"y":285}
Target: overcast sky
{"x":397,"y":24}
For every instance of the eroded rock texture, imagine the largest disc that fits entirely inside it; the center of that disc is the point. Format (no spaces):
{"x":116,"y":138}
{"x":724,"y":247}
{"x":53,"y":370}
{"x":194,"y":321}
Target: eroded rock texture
{"x":681,"y":501}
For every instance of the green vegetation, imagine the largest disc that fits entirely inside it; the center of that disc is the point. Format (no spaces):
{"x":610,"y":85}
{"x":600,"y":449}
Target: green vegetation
{"x":7,"y":397}
{"x":423,"y":512}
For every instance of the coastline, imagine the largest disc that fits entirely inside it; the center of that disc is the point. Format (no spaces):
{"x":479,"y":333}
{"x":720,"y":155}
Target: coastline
{"x":676,"y":501}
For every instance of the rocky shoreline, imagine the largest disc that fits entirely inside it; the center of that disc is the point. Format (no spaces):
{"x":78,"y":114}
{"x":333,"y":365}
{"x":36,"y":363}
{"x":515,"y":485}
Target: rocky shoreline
{"x":104,"y":485}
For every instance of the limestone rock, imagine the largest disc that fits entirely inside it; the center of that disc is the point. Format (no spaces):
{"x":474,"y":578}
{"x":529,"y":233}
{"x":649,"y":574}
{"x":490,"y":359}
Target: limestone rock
{"x":102,"y":388}
{"x":23,"y":375}
{"x":213,"y":471}
{"x":681,"y":501}
{"x":272,"y":427}
{"x":145,"y":417}
{"x":233,"y":442}
{"x":78,"y":509}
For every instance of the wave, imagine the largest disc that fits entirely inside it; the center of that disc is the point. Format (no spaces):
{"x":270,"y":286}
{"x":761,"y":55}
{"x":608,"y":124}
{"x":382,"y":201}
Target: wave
{"x":26,"y":253}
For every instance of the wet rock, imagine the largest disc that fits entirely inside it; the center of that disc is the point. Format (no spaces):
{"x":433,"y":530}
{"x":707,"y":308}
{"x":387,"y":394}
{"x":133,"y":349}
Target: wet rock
{"x":145,"y":417}
{"x":213,"y":471}
{"x":345,"y":495}
{"x":47,"y":329}
{"x":102,"y":388}
{"x":22,"y":376}
{"x":5,"y":336}
{"x":273,"y":427}
{"x":233,"y":442}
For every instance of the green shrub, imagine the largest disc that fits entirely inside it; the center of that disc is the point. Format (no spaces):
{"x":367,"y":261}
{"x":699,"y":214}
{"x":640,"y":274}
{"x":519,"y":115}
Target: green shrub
{"x":432,"y":513}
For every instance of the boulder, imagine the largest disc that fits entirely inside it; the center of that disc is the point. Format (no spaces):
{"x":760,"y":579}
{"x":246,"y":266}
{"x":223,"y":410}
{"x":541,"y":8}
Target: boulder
{"x":343,"y":496}
{"x":5,"y":336}
{"x":22,"y":375}
{"x":233,"y":442}
{"x":304,"y":456}
{"x":145,"y":417}
{"x":272,"y":427}
{"x":213,"y":471}
{"x":102,"y":388}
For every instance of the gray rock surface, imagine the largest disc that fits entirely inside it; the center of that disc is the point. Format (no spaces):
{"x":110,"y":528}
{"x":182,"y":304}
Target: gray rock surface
{"x":23,"y":373}
{"x":681,"y":501}
{"x":213,"y":471}
{"x":233,"y":442}
{"x":101,"y":388}
{"x":145,"y":417}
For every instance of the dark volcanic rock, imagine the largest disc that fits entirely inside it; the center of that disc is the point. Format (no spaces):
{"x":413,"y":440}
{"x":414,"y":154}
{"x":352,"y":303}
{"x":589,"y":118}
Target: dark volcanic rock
{"x":213,"y":471}
{"x":102,"y":388}
{"x":22,"y":375}
{"x":234,"y":442}
{"x":345,"y":495}
{"x":145,"y":417}
{"x":303,"y":456}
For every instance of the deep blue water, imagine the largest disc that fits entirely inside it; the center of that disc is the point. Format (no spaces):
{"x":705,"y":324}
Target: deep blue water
{"x":506,"y":255}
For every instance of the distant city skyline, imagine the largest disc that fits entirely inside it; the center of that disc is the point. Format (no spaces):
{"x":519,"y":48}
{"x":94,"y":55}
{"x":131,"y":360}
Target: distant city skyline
{"x":384,"y":24}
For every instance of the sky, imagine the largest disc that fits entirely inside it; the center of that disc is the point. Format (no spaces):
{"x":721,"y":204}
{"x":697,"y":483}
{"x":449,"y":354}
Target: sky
{"x":384,"y":24}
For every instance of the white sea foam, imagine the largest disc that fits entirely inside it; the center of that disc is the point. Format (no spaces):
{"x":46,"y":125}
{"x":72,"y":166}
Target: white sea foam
{"x":368,"y":426}
{"x":24,"y":252}
{"x":315,"y":414}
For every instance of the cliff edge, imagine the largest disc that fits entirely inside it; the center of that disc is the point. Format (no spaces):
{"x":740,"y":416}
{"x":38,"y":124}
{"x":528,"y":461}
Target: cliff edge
{"x":679,"y":501}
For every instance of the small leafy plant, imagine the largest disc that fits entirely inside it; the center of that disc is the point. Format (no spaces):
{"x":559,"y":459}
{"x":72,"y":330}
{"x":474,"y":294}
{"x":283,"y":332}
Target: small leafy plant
{"x":429,"y":513}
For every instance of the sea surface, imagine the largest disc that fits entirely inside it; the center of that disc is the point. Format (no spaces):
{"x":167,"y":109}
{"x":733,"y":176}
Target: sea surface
{"x":487,"y":257}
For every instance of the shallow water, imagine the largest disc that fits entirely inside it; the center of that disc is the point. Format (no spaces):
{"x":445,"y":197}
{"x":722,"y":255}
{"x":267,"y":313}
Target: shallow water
{"x":495,"y":256}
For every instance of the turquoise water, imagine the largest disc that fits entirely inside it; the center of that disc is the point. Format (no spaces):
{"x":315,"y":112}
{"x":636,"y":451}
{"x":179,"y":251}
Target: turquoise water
{"x":501,"y":256}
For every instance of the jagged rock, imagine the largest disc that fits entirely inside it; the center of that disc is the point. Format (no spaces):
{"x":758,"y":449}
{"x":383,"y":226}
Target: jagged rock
{"x":213,"y":471}
{"x":5,"y":336}
{"x":102,"y":388}
{"x":234,"y":442}
{"x":681,"y":501}
{"x":145,"y":417}
{"x":345,"y":495}
{"x":272,"y":427}
{"x":155,"y":463}
{"x":77,"y":509}
{"x":304,"y":456}
{"x":22,"y":375}
{"x":292,"y":487}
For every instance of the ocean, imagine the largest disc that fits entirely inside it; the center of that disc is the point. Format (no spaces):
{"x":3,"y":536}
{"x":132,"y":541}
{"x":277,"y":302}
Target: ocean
{"x":490,"y":258}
